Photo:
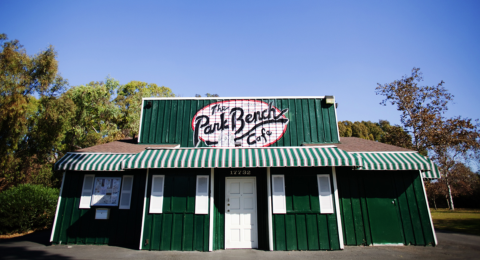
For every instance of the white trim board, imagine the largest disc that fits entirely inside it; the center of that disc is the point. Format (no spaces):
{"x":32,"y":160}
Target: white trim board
{"x":268,"y":147}
{"x":210,"y":235}
{"x":337,"y":208}
{"x":144,"y":204}
{"x":270,"y":222}
{"x":225,"y":98}
{"x":428,"y":209}
{"x":140,"y":124}
{"x":58,"y":207}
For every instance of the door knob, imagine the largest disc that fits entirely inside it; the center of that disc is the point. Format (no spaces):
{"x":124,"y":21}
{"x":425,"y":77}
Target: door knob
{"x":393,"y":202}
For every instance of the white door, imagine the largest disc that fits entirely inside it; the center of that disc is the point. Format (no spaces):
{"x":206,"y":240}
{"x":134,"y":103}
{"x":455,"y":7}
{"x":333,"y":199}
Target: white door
{"x":240,"y":213}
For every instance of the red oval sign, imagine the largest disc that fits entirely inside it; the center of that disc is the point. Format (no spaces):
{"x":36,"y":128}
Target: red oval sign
{"x":246,"y":123}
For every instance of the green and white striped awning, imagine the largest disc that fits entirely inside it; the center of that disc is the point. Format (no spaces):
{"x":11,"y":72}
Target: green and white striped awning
{"x":91,"y":162}
{"x":398,"y":161}
{"x":241,"y":157}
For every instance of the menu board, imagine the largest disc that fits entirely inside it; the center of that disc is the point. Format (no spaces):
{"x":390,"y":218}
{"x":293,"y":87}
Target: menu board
{"x":106,"y":191}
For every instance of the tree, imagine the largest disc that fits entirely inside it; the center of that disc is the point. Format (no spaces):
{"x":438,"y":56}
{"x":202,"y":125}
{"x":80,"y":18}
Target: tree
{"x":207,"y":95}
{"x":380,"y":132}
{"x":455,"y":140}
{"x":129,"y":100}
{"x":463,"y":181}
{"x":95,"y":115}
{"x":449,"y":140}
{"x":420,"y":106}
{"x":29,"y":86}
{"x":395,"y":135}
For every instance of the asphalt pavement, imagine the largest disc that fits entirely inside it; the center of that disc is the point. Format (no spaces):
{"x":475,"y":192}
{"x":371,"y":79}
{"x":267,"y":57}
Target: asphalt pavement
{"x":36,"y":246}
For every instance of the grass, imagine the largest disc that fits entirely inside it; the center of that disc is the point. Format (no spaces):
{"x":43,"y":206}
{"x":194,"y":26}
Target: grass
{"x":460,"y":220}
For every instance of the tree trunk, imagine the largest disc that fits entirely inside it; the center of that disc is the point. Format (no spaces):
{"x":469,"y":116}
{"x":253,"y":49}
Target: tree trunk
{"x":435,"y":202}
{"x":448,"y":202}
{"x":450,"y":196}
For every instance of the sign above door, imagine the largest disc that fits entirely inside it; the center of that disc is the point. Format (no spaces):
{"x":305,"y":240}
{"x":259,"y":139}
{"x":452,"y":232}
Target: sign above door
{"x":245,"y":123}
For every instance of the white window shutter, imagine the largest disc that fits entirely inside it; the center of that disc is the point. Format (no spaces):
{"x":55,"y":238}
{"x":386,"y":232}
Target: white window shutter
{"x":126,"y":194}
{"x":87,"y":189}
{"x":325,"y":194}
{"x":278,"y":194}
{"x":156,"y":197}
{"x":201,"y":196}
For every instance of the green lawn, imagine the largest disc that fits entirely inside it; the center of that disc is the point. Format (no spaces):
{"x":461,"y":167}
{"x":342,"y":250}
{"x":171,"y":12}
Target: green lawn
{"x":460,"y":220}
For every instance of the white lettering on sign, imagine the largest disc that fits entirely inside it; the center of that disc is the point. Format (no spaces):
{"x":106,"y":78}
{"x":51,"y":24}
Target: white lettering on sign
{"x":250,"y":123}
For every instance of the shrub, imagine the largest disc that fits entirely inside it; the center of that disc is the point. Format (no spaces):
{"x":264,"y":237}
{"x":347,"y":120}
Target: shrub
{"x":27,"y":207}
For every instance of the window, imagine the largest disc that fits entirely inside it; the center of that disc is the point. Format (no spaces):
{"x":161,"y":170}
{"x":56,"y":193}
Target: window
{"x":126,"y":195}
{"x":201,"y":196}
{"x":86,"y":191}
{"x":325,"y":194}
{"x":278,"y":192}
{"x":156,"y":197}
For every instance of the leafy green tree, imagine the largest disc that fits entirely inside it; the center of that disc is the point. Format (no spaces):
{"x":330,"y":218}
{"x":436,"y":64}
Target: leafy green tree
{"x":207,"y":95}
{"x":395,"y":135}
{"x":29,"y":86}
{"x":95,"y":115}
{"x":380,"y":132}
{"x":129,"y":100}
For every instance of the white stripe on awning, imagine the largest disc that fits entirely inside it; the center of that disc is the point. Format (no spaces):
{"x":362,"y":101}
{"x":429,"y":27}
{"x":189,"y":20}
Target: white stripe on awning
{"x":91,"y":162}
{"x":398,"y":161}
{"x":242,"y":157}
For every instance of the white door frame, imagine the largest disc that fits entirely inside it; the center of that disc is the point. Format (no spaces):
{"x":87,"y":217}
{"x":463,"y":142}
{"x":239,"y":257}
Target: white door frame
{"x":256,"y":209}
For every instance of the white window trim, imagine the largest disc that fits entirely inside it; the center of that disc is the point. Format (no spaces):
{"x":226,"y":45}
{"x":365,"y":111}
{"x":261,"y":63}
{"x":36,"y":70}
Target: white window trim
{"x":201,"y":208}
{"x":157,"y":197}
{"x":84,"y":199}
{"x":279,"y":197}
{"x":123,"y":191}
{"x":327,"y":194}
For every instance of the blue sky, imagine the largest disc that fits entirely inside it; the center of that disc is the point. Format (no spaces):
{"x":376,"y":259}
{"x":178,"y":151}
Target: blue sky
{"x":262,"y":48}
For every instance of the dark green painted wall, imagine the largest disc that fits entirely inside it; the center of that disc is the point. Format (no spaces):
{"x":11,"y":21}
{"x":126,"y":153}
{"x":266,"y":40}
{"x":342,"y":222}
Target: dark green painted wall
{"x":358,"y":209}
{"x":178,"y":227}
{"x":79,"y":226}
{"x":169,"y":121}
{"x":303,"y":227}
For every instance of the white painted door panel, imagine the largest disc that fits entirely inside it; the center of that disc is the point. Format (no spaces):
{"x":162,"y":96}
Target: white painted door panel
{"x":240,"y":213}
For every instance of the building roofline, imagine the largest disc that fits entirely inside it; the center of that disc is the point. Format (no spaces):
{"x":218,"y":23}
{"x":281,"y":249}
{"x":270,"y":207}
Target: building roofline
{"x":225,"y":98}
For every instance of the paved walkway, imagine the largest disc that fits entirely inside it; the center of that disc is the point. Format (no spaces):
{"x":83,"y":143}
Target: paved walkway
{"x":36,"y":246}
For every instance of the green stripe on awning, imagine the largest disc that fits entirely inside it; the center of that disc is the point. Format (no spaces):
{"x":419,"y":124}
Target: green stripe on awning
{"x":398,"y":161}
{"x":241,"y":158}
{"x":91,"y":162}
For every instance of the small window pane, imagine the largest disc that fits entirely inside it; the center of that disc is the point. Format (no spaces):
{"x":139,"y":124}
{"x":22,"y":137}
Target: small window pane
{"x":277,"y":184}
{"x":324,"y":185}
{"x":127,"y":183}
{"x":158,"y":184}
{"x":202,"y":185}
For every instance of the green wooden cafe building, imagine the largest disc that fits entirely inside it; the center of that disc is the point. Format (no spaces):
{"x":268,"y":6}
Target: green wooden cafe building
{"x":222,"y":173}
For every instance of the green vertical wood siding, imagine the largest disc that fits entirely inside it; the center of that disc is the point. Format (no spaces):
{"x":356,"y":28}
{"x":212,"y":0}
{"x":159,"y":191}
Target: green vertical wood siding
{"x":169,"y":121}
{"x":219,"y":207}
{"x":303,"y":227}
{"x":79,"y":226}
{"x":178,"y":227}
{"x":411,"y":207}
